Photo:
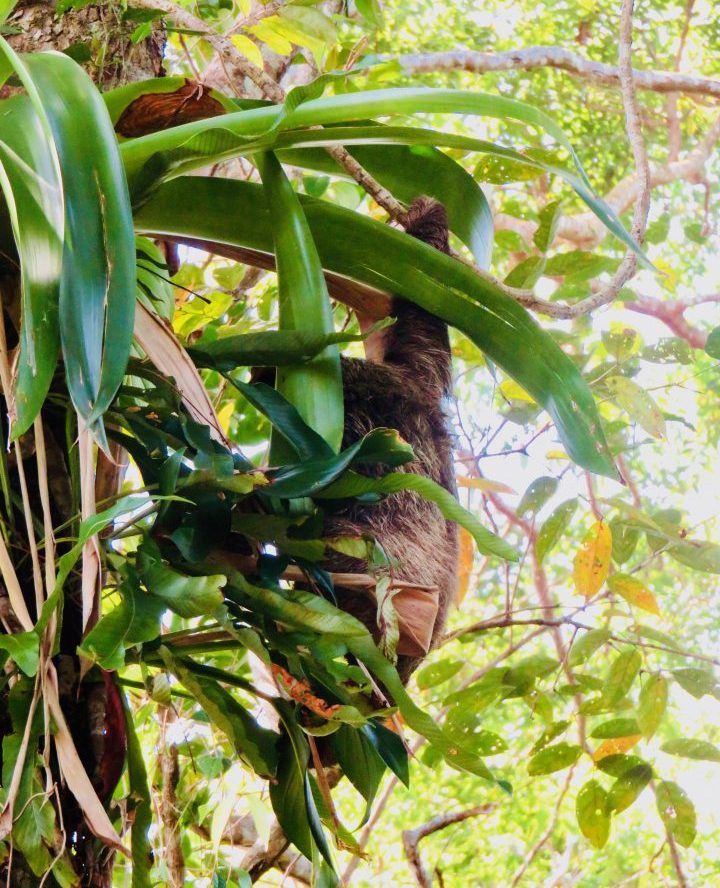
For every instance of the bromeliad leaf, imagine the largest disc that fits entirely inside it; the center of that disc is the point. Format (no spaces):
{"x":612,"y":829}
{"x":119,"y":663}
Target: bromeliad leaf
{"x":314,"y":388}
{"x":31,"y":182}
{"x":224,"y":212}
{"x":97,"y":292}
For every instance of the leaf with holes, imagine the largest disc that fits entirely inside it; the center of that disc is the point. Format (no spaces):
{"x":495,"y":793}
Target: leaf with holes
{"x":592,"y":561}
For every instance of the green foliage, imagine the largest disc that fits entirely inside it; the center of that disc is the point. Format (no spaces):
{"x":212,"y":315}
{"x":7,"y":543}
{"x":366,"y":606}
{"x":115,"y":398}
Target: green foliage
{"x":199,"y":567}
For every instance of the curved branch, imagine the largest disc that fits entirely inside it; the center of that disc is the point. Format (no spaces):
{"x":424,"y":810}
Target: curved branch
{"x":537,"y":57}
{"x":413,"y":837}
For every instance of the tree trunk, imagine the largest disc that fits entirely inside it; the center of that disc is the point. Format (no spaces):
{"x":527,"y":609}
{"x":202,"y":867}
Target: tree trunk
{"x":99,"y":38}
{"x":96,"y":36}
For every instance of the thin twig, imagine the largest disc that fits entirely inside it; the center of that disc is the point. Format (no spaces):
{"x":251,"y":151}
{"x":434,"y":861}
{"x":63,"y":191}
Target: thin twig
{"x":540,"y":844}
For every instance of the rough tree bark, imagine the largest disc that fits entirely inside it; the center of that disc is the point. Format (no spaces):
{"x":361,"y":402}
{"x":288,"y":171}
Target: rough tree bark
{"x":99,"y":38}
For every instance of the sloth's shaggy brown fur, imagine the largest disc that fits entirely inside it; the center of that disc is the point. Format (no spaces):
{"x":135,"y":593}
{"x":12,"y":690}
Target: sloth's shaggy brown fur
{"x":407,"y":392}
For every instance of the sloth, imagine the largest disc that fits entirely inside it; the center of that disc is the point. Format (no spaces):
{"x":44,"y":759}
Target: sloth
{"x":407,"y":390}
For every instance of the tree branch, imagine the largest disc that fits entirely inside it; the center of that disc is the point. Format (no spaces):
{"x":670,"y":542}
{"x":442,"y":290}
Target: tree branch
{"x":413,"y":837}
{"x":538,"y":57}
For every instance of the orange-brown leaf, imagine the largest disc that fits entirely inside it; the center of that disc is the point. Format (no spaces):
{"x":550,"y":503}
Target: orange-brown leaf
{"x":616,"y":746}
{"x":466,"y":557}
{"x":592,"y":561}
{"x":634,"y":591}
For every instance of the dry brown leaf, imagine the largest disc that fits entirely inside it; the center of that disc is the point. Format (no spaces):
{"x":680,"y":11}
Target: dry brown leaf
{"x":12,"y":585}
{"x":73,"y":771}
{"x":159,"y":342}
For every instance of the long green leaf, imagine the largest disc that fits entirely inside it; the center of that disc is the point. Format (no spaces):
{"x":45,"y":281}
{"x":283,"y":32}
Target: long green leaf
{"x":31,"y":182}
{"x":408,"y":171}
{"x":153,"y":158}
{"x":225,"y":212}
{"x":355,"y":485}
{"x":314,"y":388}
{"x":97,"y":295}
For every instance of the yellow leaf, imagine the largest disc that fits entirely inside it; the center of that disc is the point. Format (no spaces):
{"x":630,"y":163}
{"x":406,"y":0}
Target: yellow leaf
{"x":225,"y":415}
{"x":592,"y":561}
{"x":634,"y":591}
{"x":616,"y":746}
{"x":484,"y":484}
{"x":638,"y":404}
{"x":556,"y":454}
{"x":250,"y":50}
{"x":514,"y":392}
{"x":466,"y":556}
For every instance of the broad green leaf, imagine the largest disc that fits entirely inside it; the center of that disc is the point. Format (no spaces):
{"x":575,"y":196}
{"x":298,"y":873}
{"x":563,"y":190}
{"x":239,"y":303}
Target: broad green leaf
{"x":314,"y":477}
{"x":314,"y":388}
{"x":553,"y":528}
{"x":592,"y":561}
{"x":676,"y":811}
{"x":670,"y":350}
{"x":548,"y":219}
{"x":628,"y":787}
{"x":537,"y":494}
{"x":360,"y":762}
{"x":97,"y":293}
{"x":354,"y":485}
{"x":436,"y":673}
{"x":616,"y":727}
{"x":586,"y":645}
{"x":549,"y":734}
{"x":554,"y":758}
{"x":622,"y":674}
{"x":620,"y":342}
{"x":306,"y":442}
{"x":634,"y":591}
{"x":188,"y":596}
{"x":231,"y":214}
{"x":255,"y":745}
{"x":701,"y":750}
{"x":696,"y":682}
{"x":593,"y":813}
{"x":390,"y":748}
{"x":624,"y":541}
{"x":702,"y":556}
{"x":287,"y":794}
{"x":652,"y":704}
{"x":134,"y":620}
{"x":712,"y":343}
{"x":618,"y":764}
{"x":637,"y":403}
{"x":24,"y":648}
